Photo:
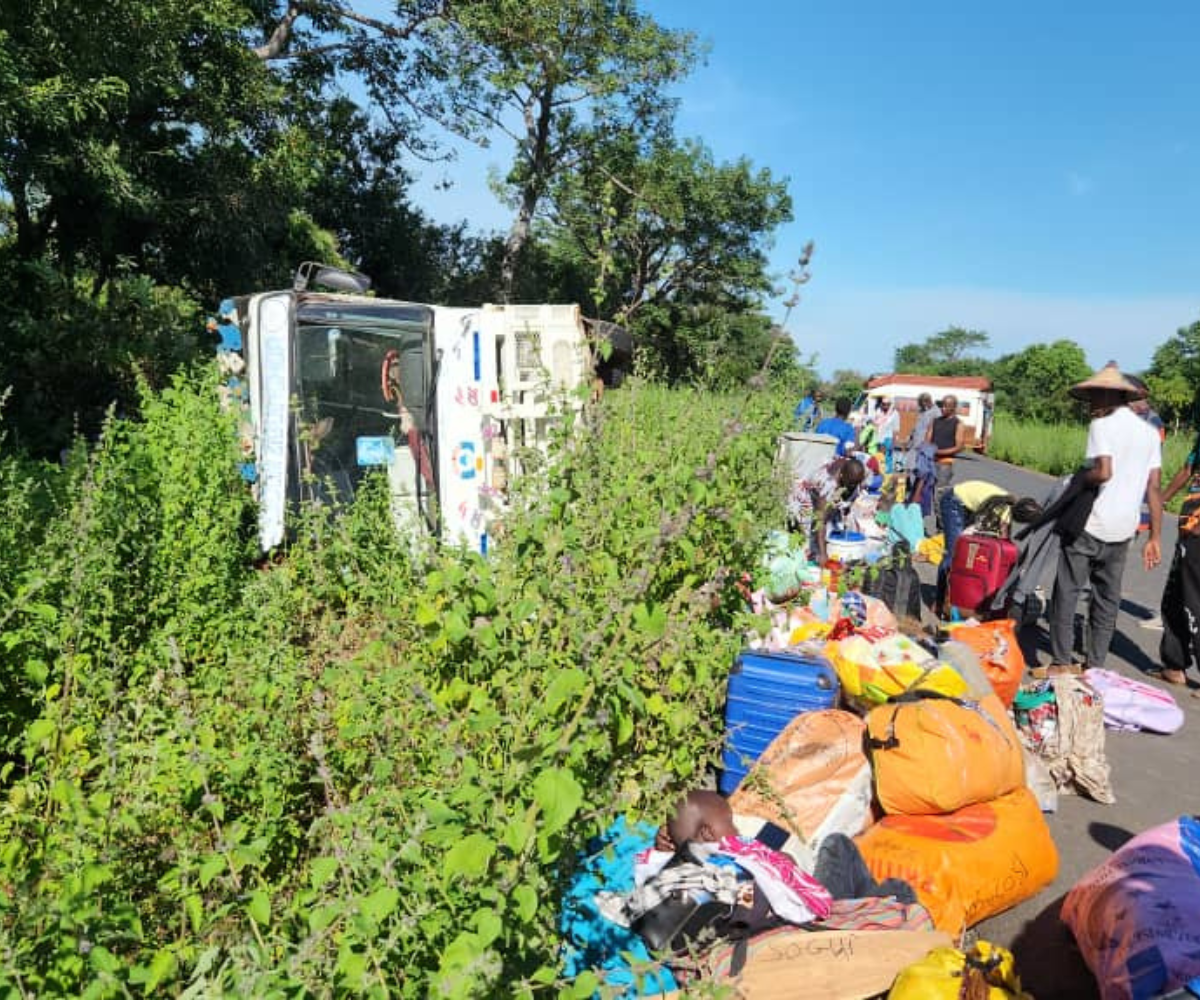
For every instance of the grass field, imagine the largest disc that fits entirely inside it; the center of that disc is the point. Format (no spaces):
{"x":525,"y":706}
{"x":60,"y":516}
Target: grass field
{"x":1059,"y":448}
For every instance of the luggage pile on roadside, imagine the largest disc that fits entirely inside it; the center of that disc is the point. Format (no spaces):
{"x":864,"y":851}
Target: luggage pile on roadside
{"x":950,"y":811}
{"x":920,"y":758}
{"x":842,"y":725}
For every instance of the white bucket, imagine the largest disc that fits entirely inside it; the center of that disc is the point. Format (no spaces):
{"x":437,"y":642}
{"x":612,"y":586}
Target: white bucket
{"x":802,"y":453}
{"x":846,"y":546}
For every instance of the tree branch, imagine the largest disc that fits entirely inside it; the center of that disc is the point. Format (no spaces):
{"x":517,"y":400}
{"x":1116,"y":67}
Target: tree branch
{"x":277,"y":43}
{"x":276,"y":46}
{"x":392,"y":30}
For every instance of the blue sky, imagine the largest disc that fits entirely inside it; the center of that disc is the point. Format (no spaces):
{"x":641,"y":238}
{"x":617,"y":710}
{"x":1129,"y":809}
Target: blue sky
{"x":1028,"y":169}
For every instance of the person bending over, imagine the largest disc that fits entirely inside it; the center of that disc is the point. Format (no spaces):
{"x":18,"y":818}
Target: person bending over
{"x":826,"y":497}
{"x":980,"y":504}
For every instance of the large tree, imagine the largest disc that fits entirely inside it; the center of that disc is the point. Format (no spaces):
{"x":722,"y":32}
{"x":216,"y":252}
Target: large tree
{"x":663,"y":222}
{"x":673,"y":244}
{"x":558,"y":72}
{"x":1033,"y":383}
{"x":951,"y":352}
{"x":1174,"y":375}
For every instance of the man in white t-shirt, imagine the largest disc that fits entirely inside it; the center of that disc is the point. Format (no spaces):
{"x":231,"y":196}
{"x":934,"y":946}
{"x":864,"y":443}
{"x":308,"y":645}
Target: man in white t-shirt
{"x":1125,"y":457}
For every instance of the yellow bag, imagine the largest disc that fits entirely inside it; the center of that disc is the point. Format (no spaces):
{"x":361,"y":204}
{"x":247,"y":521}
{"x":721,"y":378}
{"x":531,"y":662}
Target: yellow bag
{"x":989,"y":970}
{"x":934,"y":755}
{"x":872,"y":672}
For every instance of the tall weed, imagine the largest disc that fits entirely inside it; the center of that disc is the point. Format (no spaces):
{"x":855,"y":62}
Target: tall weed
{"x":347,"y":772}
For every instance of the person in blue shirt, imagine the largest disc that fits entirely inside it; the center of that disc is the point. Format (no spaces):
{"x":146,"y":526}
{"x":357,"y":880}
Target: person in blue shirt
{"x":808,"y":410}
{"x":840,"y":427}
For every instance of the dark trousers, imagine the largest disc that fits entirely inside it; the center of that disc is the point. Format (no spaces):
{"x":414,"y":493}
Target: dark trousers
{"x":955,"y":517}
{"x":840,"y":869}
{"x":1102,"y":564}
{"x":1180,"y":645}
{"x":943,"y":481}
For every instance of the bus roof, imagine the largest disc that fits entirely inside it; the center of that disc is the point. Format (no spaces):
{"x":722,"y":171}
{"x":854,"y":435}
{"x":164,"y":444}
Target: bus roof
{"x":978,"y":383}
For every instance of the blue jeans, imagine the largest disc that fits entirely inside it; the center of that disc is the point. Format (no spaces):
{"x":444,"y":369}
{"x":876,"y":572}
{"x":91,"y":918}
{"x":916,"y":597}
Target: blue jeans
{"x":955,"y":518}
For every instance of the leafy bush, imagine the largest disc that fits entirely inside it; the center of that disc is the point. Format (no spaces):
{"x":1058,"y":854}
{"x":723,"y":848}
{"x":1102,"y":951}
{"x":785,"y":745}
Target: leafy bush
{"x":340,"y":772}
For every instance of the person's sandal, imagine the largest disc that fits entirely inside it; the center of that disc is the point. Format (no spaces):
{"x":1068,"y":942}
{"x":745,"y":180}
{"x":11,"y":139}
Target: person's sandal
{"x":1055,"y":670}
{"x":1176,"y":677}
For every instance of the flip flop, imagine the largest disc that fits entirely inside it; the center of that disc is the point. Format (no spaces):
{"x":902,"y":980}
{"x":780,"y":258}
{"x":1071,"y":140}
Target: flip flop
{"x":1055,"y":670}
{"x":1176,"y":677}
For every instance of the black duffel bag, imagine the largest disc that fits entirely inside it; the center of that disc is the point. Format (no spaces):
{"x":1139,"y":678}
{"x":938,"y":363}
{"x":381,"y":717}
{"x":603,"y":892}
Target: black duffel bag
{"x":894,"y":581}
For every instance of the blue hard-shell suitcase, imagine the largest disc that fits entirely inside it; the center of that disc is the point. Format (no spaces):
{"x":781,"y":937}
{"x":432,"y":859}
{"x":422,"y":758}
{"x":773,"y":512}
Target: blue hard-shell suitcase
{"x":767,"y":691}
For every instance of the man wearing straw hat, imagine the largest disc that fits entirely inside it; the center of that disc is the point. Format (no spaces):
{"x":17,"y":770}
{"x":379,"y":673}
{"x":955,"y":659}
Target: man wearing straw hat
{"x":1124,"y":458}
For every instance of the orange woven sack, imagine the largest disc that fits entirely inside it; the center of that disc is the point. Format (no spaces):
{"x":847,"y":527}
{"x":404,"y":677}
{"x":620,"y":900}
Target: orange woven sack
{"x":995,"y":643}
{"x":969,"y":865}
{"x":933,"y":754}
{"x":813,"y":776}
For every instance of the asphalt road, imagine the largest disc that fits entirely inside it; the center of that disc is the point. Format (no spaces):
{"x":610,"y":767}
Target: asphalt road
{"x":1152,"y":775}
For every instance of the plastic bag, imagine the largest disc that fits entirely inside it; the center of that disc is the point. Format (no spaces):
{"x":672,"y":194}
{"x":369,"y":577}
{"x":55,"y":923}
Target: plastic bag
{"x":872,"y":672}
{"x":813,"y":780}
{"x":995,"y":643}
{"x":1134,"y":705}
{"x":988,"y":970}
{"x":969,"y":865}
{"x":1062,"y":721}
{"x":1135,"y":916}
{"x":935,"y":755}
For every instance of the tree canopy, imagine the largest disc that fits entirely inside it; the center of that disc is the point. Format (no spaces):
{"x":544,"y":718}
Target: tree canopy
{"x":155,"y":157}
{"x":950,"y":352}
{"x":1033,"y":383}
{"x":1174,"y":375}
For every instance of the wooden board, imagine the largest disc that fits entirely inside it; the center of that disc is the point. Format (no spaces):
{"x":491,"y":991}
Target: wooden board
{"x":830,"y":965}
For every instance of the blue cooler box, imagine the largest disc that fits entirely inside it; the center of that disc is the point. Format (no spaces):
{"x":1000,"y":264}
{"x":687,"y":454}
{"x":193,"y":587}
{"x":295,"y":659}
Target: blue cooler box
{"x":767,"y":691}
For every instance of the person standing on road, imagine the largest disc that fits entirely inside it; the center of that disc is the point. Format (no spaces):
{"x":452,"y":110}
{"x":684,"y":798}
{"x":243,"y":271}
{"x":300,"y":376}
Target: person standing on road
{"x":808,"y":411}
{"x":839,"y":426}
{"x":887,"y":423}
{"x":1124,"y":459}
{"x":948,"y":435}
{"x":1180,"y":610}
{"x":1144,"y":410}
{"x":926,"y":414}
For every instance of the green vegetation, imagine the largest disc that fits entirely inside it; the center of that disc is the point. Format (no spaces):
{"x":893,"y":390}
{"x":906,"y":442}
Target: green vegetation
{"x":1173,"y":375}
{"x":1032,"y":384}
{"x":1053,"y":448}
{"x":336,"y":772}
{"x":1058,"y":448}
{"x":156,"y":157}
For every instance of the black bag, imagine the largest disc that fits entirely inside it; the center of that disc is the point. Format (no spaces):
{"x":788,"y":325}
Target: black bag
{"x":894,"y":581}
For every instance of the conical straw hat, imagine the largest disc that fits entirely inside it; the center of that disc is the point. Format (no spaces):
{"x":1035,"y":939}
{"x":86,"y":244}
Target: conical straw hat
{"x":1107,"y":378}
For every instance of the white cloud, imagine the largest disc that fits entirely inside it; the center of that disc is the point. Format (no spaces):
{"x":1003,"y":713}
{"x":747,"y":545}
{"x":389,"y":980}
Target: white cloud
{"x":861,"y":328}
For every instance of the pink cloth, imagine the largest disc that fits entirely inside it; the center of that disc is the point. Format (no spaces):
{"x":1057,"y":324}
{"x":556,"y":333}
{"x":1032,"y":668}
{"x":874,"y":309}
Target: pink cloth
{"x":1132,"y":704}
{"x":793,"y":894}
